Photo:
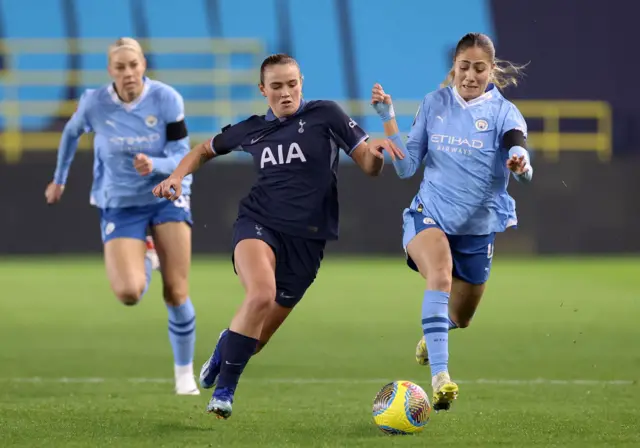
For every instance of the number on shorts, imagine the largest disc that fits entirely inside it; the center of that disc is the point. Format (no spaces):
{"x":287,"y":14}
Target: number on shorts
{"x":183,"y":202}
{"x":490,"y":250}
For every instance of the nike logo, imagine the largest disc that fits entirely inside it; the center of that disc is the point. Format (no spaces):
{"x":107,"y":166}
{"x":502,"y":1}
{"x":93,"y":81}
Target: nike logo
{"x":284,"y":296}
{"x":440,"y":118}
{"x":256,"y":140}
{"x":233,"y":363}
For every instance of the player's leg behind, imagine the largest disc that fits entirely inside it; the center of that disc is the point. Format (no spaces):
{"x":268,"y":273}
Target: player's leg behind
{"x":428,"y":249}
{"x":472,"y":260}
{"x":128,"y":259}
{"x":463,"y":303}
{"x":172,"y":234}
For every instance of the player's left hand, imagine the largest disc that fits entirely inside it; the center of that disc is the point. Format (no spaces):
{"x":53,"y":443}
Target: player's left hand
{"x":518,"y":164}
{"x":143,"y":164}
{"x":378,"y":145}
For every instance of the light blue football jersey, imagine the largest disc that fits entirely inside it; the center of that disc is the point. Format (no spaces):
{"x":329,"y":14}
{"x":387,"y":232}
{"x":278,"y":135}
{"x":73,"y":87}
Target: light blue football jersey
{"x":123,"y":130}
{"x":464,"y":189}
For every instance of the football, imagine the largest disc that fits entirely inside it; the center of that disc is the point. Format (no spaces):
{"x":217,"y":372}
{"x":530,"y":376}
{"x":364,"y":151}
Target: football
{"x":401,"y":407}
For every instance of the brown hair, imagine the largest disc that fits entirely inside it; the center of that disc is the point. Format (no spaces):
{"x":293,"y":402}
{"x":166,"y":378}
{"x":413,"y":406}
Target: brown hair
{"x":276,"y":59}
{"x":504,"y":73}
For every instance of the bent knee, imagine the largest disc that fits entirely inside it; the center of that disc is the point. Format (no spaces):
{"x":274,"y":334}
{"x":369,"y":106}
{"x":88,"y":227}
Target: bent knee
{"x":462,"y":317}
{"x":129,"y":293}
{"x":260,"y":297}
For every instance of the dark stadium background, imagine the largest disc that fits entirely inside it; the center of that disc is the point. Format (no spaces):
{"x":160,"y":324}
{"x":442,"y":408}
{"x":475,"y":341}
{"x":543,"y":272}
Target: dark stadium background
{"x":577,"y":99}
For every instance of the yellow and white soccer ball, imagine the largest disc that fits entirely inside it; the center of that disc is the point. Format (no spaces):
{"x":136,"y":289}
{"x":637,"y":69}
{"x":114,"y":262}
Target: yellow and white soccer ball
{"x":401,"y":407}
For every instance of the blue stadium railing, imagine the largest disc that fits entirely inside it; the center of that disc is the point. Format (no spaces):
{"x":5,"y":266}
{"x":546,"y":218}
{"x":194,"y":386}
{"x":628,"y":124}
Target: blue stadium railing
{"x":42,"y":78}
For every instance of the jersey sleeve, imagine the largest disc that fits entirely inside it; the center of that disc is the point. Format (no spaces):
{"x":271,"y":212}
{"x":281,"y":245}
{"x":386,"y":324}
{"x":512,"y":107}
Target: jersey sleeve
{"x":347,"y":132}
{"x":79,"y":122}
{"x":418,"y":140}
{"x":513,"y":120}
{"x":230,"y":138}
{"x":173,"y":114}
{"x":177,"y":136}
{"x":417,"y":143}
{"x":77,"y":125}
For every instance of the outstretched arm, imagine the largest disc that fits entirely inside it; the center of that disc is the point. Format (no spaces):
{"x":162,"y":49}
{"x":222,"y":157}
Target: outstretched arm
{"x":193,"y":161}
{"x":171,"y":188}
{"x":228,"y":140}
{"x":416,"y":147}
{"x":73,"y":130}
{"x":348,"y":135}
{"x":368,"y":155}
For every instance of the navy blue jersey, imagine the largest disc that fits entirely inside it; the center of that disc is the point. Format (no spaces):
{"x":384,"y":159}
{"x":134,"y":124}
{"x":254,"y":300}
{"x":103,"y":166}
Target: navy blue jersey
{"x":297,"y":163}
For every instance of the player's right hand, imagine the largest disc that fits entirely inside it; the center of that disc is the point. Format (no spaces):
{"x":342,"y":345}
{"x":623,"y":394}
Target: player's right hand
{"x":53,"y":193}
{"x":170,"y":188}
{"x":378,"y":95}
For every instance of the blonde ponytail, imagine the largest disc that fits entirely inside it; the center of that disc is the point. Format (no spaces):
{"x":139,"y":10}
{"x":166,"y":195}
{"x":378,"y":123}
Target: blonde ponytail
{"x":449,"y":79}
{"x":506,"y":73}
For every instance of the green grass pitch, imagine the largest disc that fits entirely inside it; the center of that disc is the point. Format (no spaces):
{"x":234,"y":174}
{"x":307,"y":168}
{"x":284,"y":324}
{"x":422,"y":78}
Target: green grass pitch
{"x":551,"y":359}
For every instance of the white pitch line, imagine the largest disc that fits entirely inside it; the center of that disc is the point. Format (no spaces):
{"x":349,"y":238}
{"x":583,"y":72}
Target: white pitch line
{"x":382,"y":381}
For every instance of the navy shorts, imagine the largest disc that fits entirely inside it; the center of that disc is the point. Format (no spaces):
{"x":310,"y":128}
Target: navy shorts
{"x":297,"y":259}
{"x":471,"y":254}
{"x":133,"y":222}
